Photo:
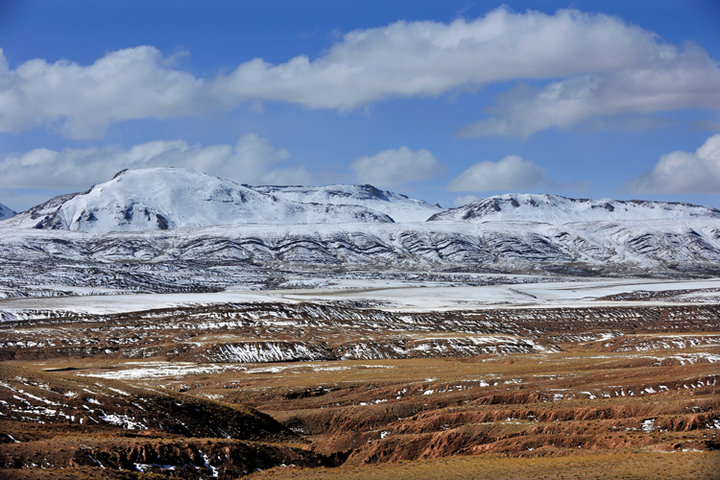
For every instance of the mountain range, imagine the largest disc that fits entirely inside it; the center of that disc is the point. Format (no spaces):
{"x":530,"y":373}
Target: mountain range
{"x":167,"y":229}
{"x":554,"y":209}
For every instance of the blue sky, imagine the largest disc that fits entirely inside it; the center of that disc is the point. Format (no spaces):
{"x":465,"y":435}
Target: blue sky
{"x":445,"y":101}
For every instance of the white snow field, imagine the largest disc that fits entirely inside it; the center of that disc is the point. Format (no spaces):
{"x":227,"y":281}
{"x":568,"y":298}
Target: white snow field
{"x":581,"y":293}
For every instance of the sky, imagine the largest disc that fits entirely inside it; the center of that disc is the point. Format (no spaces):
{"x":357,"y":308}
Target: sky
{"x":444,"y":101}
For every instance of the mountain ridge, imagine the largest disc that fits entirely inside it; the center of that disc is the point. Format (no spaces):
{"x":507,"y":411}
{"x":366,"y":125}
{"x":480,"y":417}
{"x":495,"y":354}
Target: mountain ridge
{"x":281,"y":242}
{"x":399,"y":207}
{"x":556,"y":209}
{"x":165,"y":198}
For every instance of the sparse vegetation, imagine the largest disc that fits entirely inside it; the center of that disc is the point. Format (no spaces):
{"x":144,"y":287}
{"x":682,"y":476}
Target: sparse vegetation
{"x":639,"y":403}
{"x":671,"y":466}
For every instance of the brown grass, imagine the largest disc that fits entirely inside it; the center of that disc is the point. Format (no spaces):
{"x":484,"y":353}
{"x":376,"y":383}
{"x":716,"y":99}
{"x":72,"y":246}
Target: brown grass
{"x":539,"y":415}
{"x":675,"y":466}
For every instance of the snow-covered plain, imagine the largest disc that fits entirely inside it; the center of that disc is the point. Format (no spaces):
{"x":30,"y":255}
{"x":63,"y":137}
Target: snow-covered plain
{"x":581,"y":293}
{"x":544,"y":294}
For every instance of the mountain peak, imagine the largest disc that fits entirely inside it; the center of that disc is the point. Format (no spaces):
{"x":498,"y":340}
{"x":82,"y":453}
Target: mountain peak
{"x":166,"y":198}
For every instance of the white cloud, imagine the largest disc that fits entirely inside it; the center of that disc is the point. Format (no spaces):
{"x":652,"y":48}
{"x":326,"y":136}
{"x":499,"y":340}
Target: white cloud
{"x":254,"y":160}
{"x":673,"y":81}
{"x":251,"y":160}
{"x":512,"y":172}
{"x":598,"y":65}
{"x":82,"y":100}
{"x":426,"y":58}
{"x":396,"y":166}
{"x":684,"y":172}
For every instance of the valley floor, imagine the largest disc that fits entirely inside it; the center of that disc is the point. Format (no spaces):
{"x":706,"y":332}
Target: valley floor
{"x":638,"y":465}
{"x":612,"y":380}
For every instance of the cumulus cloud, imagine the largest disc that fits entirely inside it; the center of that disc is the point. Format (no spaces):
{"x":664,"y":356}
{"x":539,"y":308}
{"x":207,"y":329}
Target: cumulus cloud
{"x":251,"y":160}
{"x":426,"y":58}
{"x":82,"y":100}
{"x":598,"y":65}
{"x":684,"y":172}
{"x":674,"y":80}
{"x":396,"y":166}
{"x":510,"y":173}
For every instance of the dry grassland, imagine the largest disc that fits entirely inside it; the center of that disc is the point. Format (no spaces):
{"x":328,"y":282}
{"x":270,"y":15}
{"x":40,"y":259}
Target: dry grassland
{"x":641,"y":465}
{"x":634,"y":404}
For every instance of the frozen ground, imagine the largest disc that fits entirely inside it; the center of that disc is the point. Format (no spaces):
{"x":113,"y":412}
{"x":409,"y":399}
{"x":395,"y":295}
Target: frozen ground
{"x":397,"y":297}
{"x":550,"y":294}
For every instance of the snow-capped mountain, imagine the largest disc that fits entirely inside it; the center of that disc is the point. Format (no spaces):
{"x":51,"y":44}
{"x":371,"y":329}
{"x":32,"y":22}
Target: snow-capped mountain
{"x":169,"y":198}
{"x":5,"y":212}
{"x":178,"y":230}
{"x":557,"y":210}
{"x":399,"y":207}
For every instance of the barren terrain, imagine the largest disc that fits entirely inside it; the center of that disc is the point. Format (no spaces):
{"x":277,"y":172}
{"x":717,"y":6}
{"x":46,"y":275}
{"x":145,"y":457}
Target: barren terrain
{"x":611,"y":379}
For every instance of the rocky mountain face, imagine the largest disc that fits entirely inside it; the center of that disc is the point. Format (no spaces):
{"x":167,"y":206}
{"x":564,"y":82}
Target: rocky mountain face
{"x":178,"y":230}
{"x":5,"y":212}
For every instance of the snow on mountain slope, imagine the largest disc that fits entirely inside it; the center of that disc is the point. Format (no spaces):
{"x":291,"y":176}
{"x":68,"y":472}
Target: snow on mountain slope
{"x":400,"y":207}
{"x":273,"y":256}
{"x":168,"y":198}
{"x":234,"y":234}
{"x":554,"y":209}
{"x":5,"y":212}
